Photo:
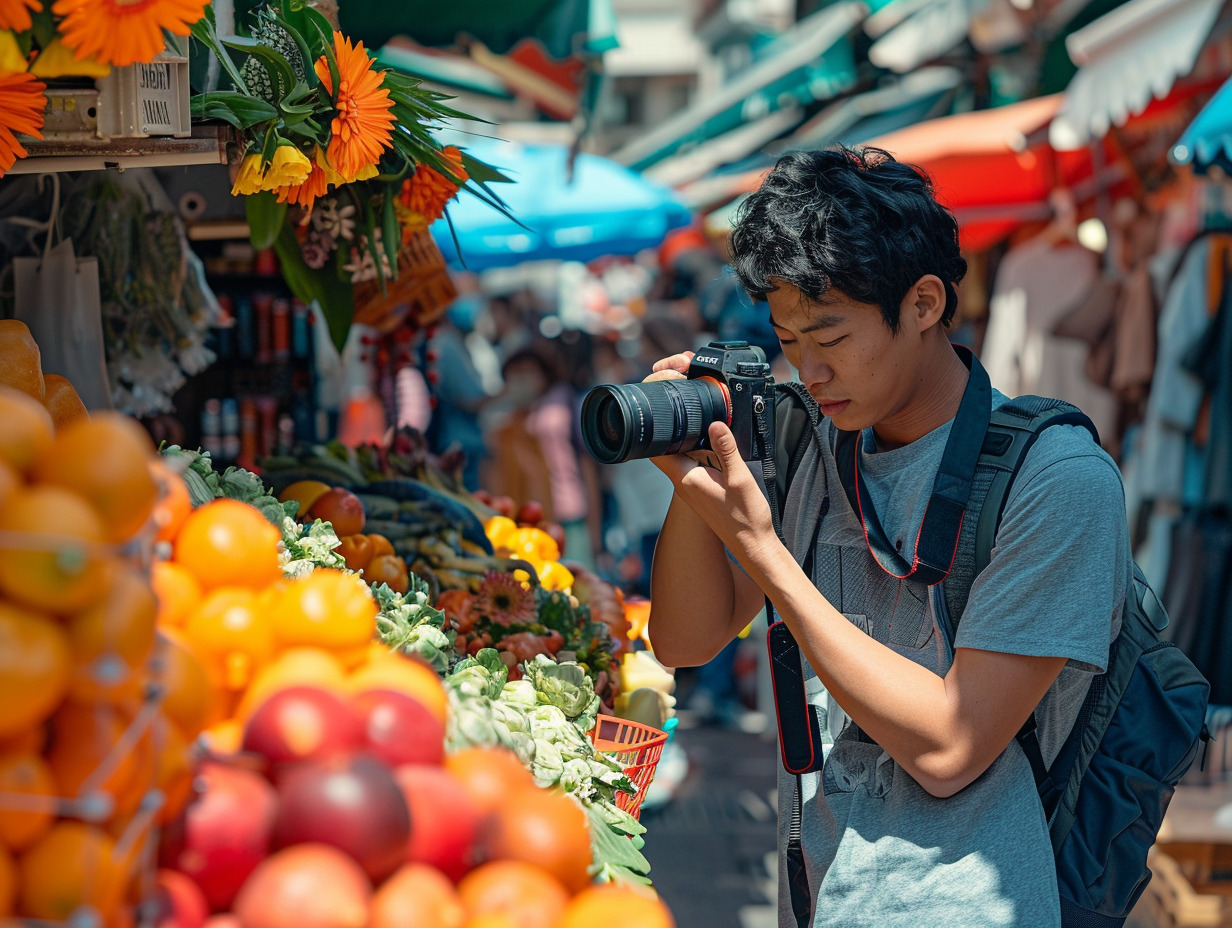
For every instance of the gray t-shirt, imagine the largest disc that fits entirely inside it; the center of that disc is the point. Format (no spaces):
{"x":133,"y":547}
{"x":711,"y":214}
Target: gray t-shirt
{"x":880,"y":851}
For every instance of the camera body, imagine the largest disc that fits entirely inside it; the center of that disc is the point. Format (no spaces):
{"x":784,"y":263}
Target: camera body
{"x":742,"y":372}
{"x":727,"y":381}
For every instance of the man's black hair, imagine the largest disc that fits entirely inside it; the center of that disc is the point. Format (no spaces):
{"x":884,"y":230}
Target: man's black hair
{"x":853,"y":220}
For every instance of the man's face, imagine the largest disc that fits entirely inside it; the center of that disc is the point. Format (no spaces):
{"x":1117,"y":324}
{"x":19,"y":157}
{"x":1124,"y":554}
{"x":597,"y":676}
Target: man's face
{"x":857,"y":370}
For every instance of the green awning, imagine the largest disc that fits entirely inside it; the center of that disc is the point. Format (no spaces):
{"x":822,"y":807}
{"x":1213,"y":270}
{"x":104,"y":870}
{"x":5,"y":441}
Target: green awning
{"x":450,"y":71}
{"x":811,"y":61}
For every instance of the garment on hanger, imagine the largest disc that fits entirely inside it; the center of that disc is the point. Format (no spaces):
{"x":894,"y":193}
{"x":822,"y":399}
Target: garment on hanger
{"x":1036,"y":283}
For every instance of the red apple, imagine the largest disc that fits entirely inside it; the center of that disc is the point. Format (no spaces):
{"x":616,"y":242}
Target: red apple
{"x":302,"y":723}
{"x":178,"y":901}
{"x":444,"y":818}
{"x":399,"y":729}
{"x":504,"y":505}
{"x":557,"y":531}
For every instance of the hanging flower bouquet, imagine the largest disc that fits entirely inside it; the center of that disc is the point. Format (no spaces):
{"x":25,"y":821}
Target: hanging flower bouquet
{"x":340,"y":167}
{"x":44,"y":40}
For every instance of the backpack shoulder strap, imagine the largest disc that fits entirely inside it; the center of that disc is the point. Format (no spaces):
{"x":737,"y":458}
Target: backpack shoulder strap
{"x":794,"y":417}
{"x":1012,"y":432}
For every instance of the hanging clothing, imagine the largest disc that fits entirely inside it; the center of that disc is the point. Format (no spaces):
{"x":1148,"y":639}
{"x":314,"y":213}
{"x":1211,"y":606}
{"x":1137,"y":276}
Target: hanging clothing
{"x":1037,"y":283}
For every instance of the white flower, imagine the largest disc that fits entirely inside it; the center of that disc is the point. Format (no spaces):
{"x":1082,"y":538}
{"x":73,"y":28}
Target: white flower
{"x":362,"y":267}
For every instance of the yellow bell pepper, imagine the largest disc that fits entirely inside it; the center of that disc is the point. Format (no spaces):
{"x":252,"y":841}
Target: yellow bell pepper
{"x":499,"y":529}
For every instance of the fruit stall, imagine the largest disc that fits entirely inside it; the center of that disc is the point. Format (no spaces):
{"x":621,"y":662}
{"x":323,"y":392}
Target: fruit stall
{"x":212,"y":713}
{"x":331,"y":688}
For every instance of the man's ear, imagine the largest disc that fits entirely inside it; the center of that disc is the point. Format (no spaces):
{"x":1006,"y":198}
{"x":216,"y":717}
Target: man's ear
{"x":924,"y":304}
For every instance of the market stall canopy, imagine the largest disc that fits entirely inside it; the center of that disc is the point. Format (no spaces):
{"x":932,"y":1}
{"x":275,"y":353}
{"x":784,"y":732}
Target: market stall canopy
{"x":995,"y":169}
{"x":809,"y":62}
{"x":1208,"y":139}
{"x":899,"y":102}
{"x":602,"y":209}
{"x":498,"y":24}
{"x":910,"y":33}
{"x":1126,"y":59}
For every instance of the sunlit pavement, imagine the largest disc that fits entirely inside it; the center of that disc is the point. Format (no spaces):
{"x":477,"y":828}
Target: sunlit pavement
{"x":711,"y":846}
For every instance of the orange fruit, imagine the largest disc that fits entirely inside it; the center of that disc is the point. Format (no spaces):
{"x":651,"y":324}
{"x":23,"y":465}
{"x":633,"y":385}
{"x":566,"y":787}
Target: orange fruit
{"x":21,"y":362}
{"x":73,"y":865}
{"x":293,"y":667}
{"x":174,"y":763}
{"x":529,"y":896}
{"x":30,"y":740}
{"x":543,"y":827}
{"x":304,"y":492}
{"x":82,"y":738}
{"x":35,"y":667}
{"x":62,"y":400}
{"x":179,"y":594}
{"x":61,"y":564}
{"x":327,"y":609}
{"x":28,"y":428}
{"x":10,"y":481}
{"x":416,"y":896}
{"x":616,"y":904}
{"x":106,"y":459}
{"x":489,"y":775}
{"x":26,"y":774}
{"x":112,"y":639}
{"x":491,"y":920}
{"x":192,"y":690}
{"x":8,"y":888}
{"x":405,"y":675}
{"x":229,"y":543}
{"x":173,"y":503}
{"x":380,"y":544}
{"x":228,"y":629}
{"x":225,"y":737}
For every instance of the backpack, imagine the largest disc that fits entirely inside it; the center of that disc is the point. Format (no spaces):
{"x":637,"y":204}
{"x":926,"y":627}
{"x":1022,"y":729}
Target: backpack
{"x":1142,"y":722}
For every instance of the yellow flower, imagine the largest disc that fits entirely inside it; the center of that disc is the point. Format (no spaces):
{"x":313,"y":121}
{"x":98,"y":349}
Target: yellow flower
{"x":21,"y":111}
{"x":305,"y":194}
{"x":56,"y":60}
{"x":289,"y":167}
{"x":12,"y":61}
{"x":334,"y":178}
{"x":15,"y":14}
{"x":120,"y":32}
{"x":249,"y":179}
{"x":363,"y":126}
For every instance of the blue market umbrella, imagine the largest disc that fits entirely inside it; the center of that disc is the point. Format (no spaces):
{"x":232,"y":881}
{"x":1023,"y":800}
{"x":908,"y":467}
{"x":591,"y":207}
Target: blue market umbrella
{"x":1208,"y":139}
{"x":603,"y":209}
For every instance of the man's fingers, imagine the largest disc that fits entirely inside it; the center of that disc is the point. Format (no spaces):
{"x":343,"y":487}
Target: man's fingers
{"x":667,"y":373}
{"x":677,"y":362}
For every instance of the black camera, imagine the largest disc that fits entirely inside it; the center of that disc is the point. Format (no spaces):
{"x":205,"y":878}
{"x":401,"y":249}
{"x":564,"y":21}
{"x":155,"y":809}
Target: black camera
{"x":727,"y":382}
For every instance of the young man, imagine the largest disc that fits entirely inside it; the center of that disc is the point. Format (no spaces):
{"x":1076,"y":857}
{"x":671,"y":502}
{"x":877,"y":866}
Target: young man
{"x":925,"y":813}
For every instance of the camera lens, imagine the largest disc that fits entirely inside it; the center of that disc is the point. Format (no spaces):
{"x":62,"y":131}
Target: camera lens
{"x":644,"y":420}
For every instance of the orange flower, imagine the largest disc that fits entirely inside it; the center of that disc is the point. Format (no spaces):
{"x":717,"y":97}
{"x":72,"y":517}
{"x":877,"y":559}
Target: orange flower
{"x":427,"y":191}
{"x":120,"y":32}
{"x":21,"y":110}
{"x":305,"y":194}
{"x":15,"y":14}
{"x":362,"y":126}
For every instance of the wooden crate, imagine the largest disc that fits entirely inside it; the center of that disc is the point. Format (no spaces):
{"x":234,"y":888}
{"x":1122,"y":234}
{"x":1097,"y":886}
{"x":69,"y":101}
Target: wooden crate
{"x":1172,"y":901}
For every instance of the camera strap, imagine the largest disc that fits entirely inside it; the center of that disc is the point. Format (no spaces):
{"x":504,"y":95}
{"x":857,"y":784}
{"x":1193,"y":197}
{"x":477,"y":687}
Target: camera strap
{"x":936,"y":542}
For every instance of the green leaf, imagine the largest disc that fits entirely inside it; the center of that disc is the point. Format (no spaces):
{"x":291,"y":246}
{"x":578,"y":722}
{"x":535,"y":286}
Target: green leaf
{"x":326,"y":34}
{"x":238,"y":109}
{"x":391,"y":234}
{"x":266,"y":217}
{"x":281,"y":74}
{"x":335,"y":297}
{"x":481,"y":172}
{"x":203,"y":31}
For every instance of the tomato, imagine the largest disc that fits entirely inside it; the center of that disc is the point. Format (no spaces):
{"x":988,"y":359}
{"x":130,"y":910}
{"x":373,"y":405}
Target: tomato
{"x":530,"y":513}
{"x":341,"y":509}
{"x":388,"y":569}
{"x":356,"y":550}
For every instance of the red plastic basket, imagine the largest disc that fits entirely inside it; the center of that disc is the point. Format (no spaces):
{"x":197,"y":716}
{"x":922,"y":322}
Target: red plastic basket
{"x":637,"y":748}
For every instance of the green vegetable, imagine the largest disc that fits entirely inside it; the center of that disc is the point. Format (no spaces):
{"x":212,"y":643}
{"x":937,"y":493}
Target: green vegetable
{"x":567,"y":687}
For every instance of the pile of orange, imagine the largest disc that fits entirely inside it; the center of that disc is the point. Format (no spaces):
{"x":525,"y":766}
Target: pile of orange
{"x":89,"y":762}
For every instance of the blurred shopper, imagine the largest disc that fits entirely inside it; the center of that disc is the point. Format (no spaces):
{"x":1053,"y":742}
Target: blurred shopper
{"x":536,"y":449}
{"x":925,"y":812}
{"x":460,"y":391}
